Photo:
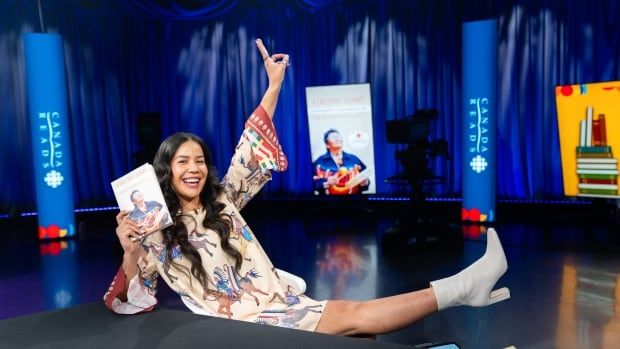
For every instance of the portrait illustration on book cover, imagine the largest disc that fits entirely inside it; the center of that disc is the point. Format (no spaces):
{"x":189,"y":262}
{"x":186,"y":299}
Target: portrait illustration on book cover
{"x":138,"y":192}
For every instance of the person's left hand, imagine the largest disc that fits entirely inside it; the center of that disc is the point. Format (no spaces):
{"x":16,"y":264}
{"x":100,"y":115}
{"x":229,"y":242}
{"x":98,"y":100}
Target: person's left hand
{"x":275,"y":65}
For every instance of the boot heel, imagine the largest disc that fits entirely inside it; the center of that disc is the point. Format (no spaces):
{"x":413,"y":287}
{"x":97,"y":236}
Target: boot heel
{"x":499,"y":295}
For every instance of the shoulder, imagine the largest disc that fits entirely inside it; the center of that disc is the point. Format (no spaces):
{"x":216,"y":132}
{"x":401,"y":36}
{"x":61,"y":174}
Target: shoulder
{"x":349,"y":155}
{"x":222,"y":198}
{"x":323,"y":157}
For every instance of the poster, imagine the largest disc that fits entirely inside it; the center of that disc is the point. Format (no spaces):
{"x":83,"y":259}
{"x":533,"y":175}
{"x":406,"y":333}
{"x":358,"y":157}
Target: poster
{"x":588,"y":123}
{"x":341,"y":139}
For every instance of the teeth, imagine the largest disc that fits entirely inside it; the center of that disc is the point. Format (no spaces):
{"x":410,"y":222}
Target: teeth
{"x":191,"y":180}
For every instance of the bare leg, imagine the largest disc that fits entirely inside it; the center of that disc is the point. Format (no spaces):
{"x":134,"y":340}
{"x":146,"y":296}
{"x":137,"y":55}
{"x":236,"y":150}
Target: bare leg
{"x":376,"y":316}
{"x":473,"y":286}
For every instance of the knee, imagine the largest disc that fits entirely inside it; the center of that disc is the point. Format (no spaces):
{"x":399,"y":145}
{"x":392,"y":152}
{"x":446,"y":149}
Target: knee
{"x":348,"y":308}
{"x":363,"y":317}
{"x":352,"y":306}
{"x":358,"y":317}
{"x":343,"y":317}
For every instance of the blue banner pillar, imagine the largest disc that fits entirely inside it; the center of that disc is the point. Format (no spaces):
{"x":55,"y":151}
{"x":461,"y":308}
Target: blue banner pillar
{"x":480,"y":119}
{"x":60,"y":264}
{"x":51,"y":143}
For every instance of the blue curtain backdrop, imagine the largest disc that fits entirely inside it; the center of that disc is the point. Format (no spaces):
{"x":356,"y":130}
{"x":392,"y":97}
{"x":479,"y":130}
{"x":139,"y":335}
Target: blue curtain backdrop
{"x":195,"y":63}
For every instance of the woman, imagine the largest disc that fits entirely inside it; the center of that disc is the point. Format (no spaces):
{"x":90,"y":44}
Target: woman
{"x":211,"y":257}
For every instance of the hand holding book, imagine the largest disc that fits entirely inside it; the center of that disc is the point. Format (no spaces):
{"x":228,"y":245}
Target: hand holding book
{"x":128,"y":232}
{"x":138,"y":194}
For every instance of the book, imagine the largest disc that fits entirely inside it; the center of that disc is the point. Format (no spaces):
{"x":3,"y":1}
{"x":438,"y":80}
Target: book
{"x":597,"y":181}
{"x":613,"y":187}
{"x":598,"y":176}
{"x":357,"y":180}
{"x":582,"y":133}
{"x":597,"y":161}
{"x":596,"y":133}
{"x":589,"y":149}
{"x":599,"y":192}
{"x":599,"y":166}
{"x":139,"y":193}
{"x":602,"y":129}
{"x":594,"y":155}
{"x":589,"y":171}
{"x":589,"y":126}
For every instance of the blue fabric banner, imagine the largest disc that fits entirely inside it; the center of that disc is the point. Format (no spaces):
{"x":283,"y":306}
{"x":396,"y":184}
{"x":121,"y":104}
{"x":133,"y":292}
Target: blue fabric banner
{"x":480,"y":119}
{"x":51,"y":143}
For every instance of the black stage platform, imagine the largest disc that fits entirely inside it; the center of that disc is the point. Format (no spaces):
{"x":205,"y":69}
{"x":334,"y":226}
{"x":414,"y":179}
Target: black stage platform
{"x":93,"y":326}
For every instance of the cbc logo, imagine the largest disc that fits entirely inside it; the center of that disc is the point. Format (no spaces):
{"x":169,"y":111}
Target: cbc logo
{"x":359,"y":139}
{"x":53,"y":179}
{"x":478,"y":164}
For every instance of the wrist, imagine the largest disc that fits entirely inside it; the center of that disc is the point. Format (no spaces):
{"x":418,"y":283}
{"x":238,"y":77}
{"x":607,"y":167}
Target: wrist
{"x":274,"y":87}
{"x":130,"y":265}
{"x":130,"y":258}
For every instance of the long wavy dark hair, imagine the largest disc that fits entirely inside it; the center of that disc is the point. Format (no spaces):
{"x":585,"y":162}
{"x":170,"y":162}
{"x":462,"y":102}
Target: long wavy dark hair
{"x":177,"y":234}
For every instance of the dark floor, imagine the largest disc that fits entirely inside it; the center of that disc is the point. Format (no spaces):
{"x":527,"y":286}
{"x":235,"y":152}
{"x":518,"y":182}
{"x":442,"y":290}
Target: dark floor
{"x":564,"y":267}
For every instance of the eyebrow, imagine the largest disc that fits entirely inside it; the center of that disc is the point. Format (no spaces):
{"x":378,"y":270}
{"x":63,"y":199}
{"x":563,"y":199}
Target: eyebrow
{"x":187,"y":156}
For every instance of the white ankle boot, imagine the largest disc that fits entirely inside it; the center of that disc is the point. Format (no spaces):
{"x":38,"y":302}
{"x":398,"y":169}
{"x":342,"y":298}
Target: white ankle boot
{"x":473,"y":285}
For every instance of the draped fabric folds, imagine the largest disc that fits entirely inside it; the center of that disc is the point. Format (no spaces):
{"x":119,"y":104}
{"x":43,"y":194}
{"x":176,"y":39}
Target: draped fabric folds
{"x":195,"y":63}
{"x":184,"y":10}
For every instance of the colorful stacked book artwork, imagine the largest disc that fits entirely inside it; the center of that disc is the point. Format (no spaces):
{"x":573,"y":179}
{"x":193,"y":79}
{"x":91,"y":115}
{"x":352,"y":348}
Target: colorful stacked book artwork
{"x":597,"y":169}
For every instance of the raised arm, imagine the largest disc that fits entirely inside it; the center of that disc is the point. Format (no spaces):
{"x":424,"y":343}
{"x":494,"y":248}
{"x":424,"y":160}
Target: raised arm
{"x":275,"y":67}
{"x":258,"y":151}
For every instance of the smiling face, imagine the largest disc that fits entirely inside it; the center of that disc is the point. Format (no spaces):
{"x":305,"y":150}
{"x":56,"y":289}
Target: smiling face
{"x":333,"y":142}
{"x":189,"y":174}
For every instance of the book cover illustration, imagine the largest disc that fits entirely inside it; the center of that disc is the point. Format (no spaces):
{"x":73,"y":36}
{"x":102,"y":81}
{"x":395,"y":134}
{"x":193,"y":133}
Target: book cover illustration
{"x":597,"y":169}
{"x":589,"y":120}
{"x":139,"y":193}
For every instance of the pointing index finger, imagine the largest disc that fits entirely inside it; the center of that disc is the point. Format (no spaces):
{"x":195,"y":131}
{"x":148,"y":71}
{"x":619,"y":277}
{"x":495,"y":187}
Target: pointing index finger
{"x":262,"y":49}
